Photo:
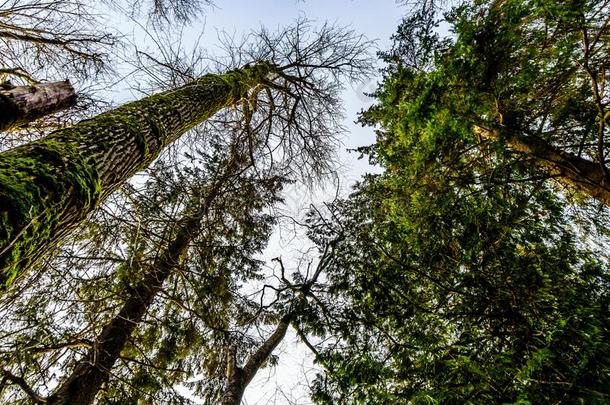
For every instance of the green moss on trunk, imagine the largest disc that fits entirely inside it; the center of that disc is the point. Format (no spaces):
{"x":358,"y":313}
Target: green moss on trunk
{"x":49,"y":186}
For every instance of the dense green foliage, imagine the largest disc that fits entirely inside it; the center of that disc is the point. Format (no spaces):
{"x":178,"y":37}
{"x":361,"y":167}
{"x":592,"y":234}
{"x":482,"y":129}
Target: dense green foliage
{"x":462,"y":276}
{"x":471,"y":295}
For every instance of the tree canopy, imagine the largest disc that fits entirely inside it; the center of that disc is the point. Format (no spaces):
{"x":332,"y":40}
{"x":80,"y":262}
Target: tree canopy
{"x":464,"y":264}
{"x":472,"y":268}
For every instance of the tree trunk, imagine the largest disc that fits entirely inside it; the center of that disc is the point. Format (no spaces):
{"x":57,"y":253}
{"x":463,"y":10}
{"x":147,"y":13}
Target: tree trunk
{"x":48,"y":187}
{"x":575,"y":172}
{"x":20,"y":105}
{"x":93,"y":371}
{"x":240,"y":377}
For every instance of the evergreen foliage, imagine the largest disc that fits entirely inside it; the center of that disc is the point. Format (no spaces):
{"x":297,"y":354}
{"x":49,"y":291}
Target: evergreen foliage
{"x":471,"y":270}
{"x":462,"y":276}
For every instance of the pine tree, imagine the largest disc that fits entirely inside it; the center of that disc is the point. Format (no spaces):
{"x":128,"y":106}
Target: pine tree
{"x":465,"y":276}
{"x":525,"y":77}
{"x":83,"y":384}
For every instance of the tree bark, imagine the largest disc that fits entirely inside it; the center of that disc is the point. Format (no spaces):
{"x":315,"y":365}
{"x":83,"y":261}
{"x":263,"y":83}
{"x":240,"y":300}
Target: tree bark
{"x":240,"y":377}
{"x":49,"y":186}
{"x":575,"y":172}
{"x":19,"y":105}
{"x":93,"y":370}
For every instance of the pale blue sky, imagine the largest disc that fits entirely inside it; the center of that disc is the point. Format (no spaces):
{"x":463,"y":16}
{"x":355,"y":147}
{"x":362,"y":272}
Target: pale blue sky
{"x":374,"y":19}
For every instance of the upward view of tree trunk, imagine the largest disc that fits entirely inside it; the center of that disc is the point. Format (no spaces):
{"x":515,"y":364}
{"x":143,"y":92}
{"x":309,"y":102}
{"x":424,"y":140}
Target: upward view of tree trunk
{"x":467,"y":264}
{"x":91,"y":372}
{"x":20,"y":105}
{"x":48,"y":187}
{"x":239,"y":377}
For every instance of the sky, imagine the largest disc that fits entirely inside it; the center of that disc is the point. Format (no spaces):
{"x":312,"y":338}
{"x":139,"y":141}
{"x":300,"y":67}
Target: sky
{"x":377,"y":20}
{"x":287,"y":382}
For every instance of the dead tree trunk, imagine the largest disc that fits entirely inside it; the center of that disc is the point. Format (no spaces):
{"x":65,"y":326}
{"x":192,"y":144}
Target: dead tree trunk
{"x":48,"y":187}
{"x":19,"y":105}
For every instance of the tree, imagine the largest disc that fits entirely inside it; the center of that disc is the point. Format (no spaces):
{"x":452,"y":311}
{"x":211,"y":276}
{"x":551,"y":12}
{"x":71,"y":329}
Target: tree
{"x":460,"y":295}
{"x":464,"y":276}
{"x":49,"y":186}
{"x":42,"y":40}
{"x":526,"y":75}
{"x":292,"y":296}
{"x":163,"y":294}
{"x":39,"y":38}
{"x":172,"y":309}
{"x":554,"y":110}
{"x":94,"y":370}
{"x":220,"y":229}
{"x":240,"y":377}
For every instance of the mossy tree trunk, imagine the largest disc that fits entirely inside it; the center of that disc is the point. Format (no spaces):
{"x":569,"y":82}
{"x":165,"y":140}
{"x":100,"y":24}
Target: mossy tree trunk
{"x":19,"y":105}
{"x":48,"y":187}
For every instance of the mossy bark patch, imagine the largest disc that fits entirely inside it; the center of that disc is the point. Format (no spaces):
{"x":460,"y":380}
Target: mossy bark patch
{"x":45,"y":187}
{"x":48,"y":187}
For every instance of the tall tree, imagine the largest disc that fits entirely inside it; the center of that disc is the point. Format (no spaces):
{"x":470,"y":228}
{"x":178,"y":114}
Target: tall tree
{"x":464,"y":276}
{"x":527,"y":75}
{"x":446,"y":294}
{"x":48,"y":187}
{"x":94,"y":369}
{"x":183,"y":313}
{"x":166,"y":321}
{"x":220,"y":198}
